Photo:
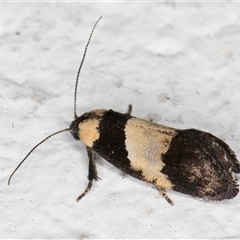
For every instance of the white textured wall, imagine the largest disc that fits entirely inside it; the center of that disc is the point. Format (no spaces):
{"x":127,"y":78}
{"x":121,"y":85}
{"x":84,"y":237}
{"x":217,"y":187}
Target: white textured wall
{"x":177,"y":63}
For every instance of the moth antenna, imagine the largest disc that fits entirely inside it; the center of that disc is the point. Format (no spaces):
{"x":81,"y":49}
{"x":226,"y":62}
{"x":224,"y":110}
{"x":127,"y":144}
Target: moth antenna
{"x":80,"y":67}
{"x":63,"y":130}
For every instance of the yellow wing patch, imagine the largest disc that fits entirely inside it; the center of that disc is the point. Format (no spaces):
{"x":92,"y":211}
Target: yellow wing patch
{"x":145,"y":143}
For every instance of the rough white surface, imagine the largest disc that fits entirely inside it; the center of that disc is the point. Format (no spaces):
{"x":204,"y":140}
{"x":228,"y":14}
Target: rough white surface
{"x":177,"y":63}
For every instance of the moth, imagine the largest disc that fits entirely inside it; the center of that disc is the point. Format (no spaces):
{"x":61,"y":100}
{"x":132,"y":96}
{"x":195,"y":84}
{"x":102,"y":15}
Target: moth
{"x":189,"y":161}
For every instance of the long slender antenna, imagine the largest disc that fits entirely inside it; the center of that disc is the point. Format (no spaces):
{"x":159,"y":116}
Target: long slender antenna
{"x":75,"y":114}
{"x":63,"y":130}
{"x":80,"y":67}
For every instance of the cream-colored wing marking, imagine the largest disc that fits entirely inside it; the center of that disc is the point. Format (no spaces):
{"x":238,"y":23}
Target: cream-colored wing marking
{"x":145,"y":143}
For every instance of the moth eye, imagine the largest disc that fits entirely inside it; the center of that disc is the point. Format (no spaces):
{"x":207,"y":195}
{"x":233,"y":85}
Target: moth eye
{"x":75,"y":135}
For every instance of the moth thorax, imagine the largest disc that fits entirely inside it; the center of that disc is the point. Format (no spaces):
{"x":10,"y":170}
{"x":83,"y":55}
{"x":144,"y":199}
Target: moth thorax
{"x":88,"y":128}
{"x":88,"y":131}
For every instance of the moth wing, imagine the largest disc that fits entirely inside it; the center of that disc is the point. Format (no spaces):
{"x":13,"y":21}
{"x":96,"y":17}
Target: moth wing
{"x":200,"y":164}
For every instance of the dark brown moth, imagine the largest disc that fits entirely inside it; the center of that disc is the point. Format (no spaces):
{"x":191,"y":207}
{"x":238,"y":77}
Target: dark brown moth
{"x":188,"y":161}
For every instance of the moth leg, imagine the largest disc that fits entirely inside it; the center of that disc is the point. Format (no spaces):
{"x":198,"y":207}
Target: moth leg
{"x":165,"y":195}
{"x":92,"y":172}
{"x":129,"y":112}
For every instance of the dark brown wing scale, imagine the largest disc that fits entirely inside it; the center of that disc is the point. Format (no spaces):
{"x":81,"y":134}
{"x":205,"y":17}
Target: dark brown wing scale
{"x":201,"y":165}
